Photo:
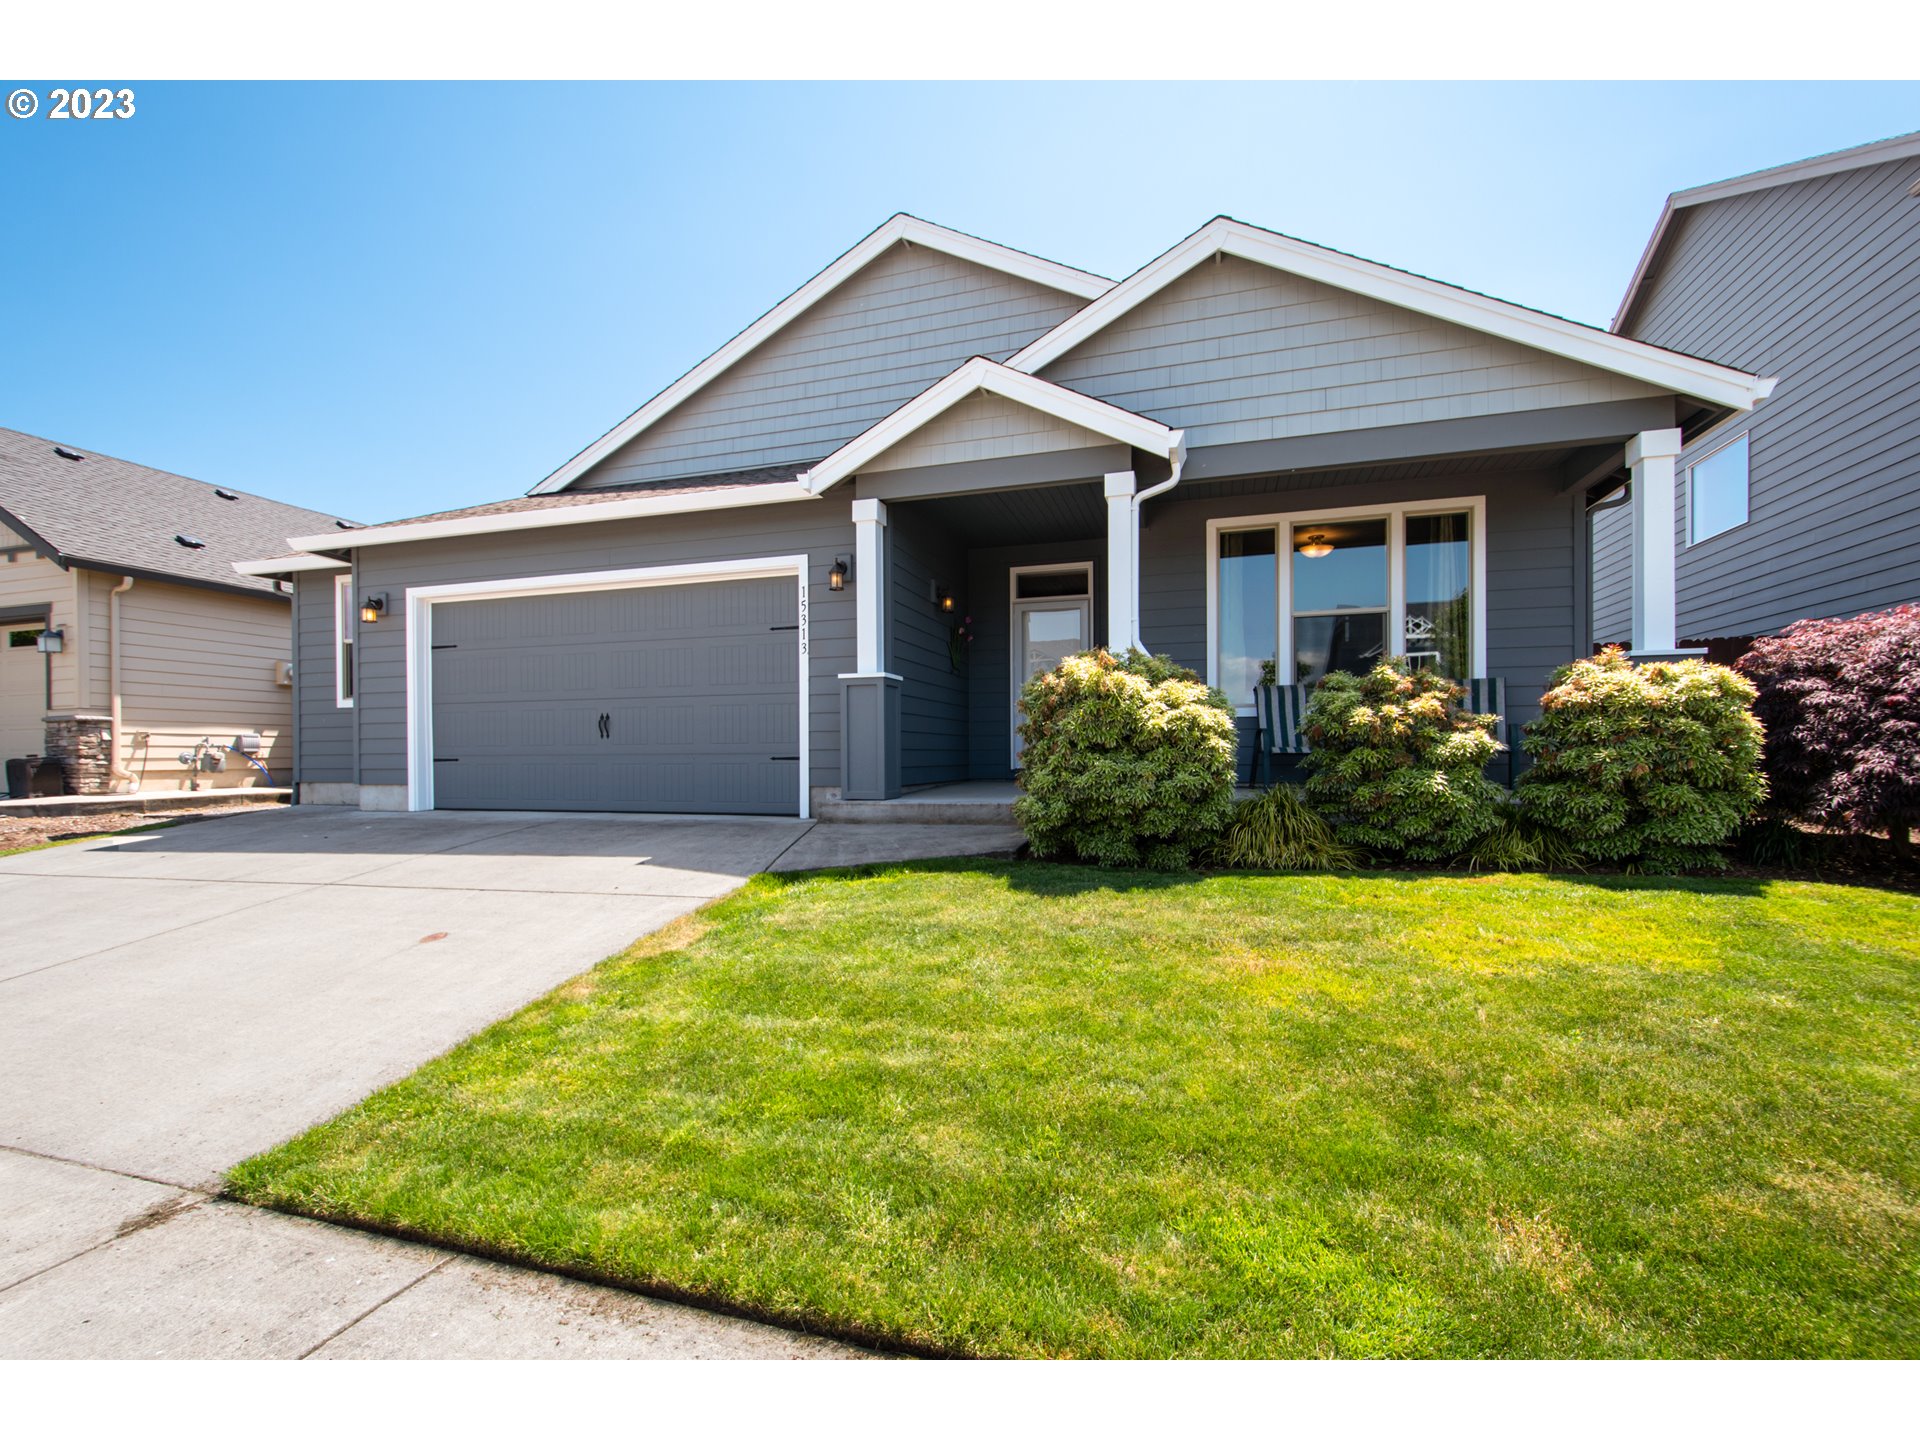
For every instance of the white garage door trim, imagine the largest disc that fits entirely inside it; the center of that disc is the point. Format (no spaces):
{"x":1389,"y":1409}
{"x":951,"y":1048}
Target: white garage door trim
{"x":422,"y":598}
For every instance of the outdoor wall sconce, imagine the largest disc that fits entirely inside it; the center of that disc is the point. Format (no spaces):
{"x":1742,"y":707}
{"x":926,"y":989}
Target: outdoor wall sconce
{"x":946,"y":602}
{"x":941,"y":596}
{"x":50,"y":642}
{"x":372,"y":608}
{"x":837,"y":576}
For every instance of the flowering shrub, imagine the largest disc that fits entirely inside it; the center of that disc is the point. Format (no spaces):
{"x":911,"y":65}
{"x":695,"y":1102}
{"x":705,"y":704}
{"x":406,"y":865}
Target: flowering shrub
{"x":1396,"y":763}
{"x":1653,"y":766}
{"x":1129,"y":760}
{"x":1840,"y":700}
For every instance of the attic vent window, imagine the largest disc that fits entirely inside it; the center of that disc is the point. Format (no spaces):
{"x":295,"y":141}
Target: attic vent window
{"x":192,"y":542}
{"x":225,"y":494}
{"x":345,"y":525}
{"x":66,"y":454}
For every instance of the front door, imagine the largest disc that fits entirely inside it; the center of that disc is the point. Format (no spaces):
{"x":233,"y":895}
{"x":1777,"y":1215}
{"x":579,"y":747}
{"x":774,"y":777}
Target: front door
{"x":1047,"y":627}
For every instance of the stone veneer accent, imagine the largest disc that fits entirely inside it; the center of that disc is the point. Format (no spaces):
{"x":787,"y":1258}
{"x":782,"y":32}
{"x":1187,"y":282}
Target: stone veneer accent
{"x":83,"y":743}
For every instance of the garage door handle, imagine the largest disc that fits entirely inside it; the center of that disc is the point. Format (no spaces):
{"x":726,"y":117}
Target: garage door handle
{"x":606,"y":726}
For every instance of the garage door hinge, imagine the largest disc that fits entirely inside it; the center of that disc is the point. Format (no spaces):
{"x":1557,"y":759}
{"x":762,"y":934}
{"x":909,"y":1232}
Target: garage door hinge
{"x":446,"y":647}
{"x":783,"y":627}
{"x":438,"y":760}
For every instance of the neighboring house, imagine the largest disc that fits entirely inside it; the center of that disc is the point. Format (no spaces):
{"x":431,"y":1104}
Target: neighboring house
{"x":763,"y":582}
{"x":118,"y":597}
{"x":1810,"y":506}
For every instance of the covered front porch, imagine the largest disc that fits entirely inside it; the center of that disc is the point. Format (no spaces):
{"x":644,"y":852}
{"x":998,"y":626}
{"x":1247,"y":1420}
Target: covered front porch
{"x":1462,"y":546}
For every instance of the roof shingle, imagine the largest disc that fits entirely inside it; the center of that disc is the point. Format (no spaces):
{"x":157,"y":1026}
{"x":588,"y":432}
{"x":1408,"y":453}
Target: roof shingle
{"x":110,"y":514}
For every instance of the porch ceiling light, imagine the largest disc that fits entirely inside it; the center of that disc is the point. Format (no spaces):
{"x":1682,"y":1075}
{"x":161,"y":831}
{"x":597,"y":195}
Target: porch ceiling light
{"x":1316,"y":547}
{"x":372,"y":608}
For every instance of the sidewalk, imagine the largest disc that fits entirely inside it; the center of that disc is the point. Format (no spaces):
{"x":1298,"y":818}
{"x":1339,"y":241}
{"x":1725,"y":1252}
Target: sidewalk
{"x":100,"y":1265}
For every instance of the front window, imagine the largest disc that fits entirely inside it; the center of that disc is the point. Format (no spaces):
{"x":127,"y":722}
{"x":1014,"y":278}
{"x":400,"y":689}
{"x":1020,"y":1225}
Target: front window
{"x":1339,"y":596}
{"x":1355,"y":588}
{"x":343,"y":618}
{"x":1717,"y":492}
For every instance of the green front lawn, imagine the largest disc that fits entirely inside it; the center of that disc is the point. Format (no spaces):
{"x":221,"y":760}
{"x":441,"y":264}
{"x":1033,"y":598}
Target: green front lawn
{"x":1023,"y":1109}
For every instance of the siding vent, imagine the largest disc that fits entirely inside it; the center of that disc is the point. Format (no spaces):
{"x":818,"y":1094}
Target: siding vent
{"x":66,"y":454}
{"x":225,"y":494}
{"x":192,"y":542}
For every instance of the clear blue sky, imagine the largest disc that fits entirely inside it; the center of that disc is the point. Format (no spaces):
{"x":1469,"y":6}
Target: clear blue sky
{"x":382,"y":300}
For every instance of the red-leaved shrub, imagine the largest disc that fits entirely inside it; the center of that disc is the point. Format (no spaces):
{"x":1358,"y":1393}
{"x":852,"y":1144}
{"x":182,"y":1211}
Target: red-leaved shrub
{"x":1840,"y":700}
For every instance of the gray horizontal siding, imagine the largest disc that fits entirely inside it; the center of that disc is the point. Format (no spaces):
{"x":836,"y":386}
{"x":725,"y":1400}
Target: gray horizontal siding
{"x":933,"y":694}
{"x":1236,"y":352}
{"x":1817,"y":283}
{"x":324,"y":732}
{"x":1613,"y":577}
{"x":819,"y":530}
{"x":905,"y":320}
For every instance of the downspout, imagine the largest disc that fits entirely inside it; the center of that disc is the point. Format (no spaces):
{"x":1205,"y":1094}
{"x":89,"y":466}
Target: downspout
{"x":1178,"y":459}
{"x":117,"y":773}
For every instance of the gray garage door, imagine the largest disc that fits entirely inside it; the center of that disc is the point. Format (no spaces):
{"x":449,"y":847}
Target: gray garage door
{"x":671,"y":698}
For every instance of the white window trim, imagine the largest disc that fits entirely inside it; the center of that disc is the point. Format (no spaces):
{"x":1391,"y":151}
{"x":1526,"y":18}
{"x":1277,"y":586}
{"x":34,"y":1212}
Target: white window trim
{"x":343,"y":618}
{"x":1396,"y":516}
{"x":1014,"y":602}
{"x":1693,"y":490}
{"x":422,"y":598}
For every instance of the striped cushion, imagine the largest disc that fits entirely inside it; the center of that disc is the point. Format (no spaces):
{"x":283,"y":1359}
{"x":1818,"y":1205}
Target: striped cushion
{"x":1487,"y":697}
{"x":1281,"y":711}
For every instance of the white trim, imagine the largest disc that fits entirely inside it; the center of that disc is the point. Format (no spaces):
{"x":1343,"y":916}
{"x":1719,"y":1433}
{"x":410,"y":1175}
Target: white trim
{"x":1726,"y":443}
{"x":639,"y":507}
{"x":869,"y":585}
{"x":1396,"y":517}
{"x":1016,"y":607}
{"x":1054,"y":276}
{"x":345,"y":614}
{"x":980,"y":374}
{"x":1879,"y":152}
{"x":288,"y":565}
{"x":1601,"y":349}
{"x":422,"y":598}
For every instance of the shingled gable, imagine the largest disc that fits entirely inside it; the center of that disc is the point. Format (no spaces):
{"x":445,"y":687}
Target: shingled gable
{"x":1584,"y":344}
{"x":1065,"y":280}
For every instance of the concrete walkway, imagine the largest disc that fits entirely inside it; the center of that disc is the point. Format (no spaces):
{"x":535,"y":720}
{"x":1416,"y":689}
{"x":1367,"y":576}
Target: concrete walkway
{"x":171,"y":1003}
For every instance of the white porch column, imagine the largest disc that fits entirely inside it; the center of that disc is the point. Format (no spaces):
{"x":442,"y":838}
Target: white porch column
{"x":1650,"y":456}
{"x":869,"y":583}
{"x":1123,"y":562}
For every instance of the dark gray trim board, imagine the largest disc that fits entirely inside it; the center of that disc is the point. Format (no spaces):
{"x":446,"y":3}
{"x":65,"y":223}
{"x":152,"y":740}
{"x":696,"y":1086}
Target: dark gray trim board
{"x":972,"y":477}
{"x":1569,"y":425}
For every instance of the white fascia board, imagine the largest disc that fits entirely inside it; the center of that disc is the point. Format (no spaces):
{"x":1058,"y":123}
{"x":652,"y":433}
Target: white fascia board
{"x":1667,"y":369}
{"x":1079,"y":283}
{"x":640,"y":507}
{"x":1880,"y":152}
{"x":290,"y":564}
{"x":981,"y":374}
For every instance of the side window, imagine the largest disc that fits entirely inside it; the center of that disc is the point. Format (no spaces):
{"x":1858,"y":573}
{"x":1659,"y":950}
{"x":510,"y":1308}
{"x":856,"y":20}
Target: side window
{"x":1717,"y":492}
{"x":343,"y":618}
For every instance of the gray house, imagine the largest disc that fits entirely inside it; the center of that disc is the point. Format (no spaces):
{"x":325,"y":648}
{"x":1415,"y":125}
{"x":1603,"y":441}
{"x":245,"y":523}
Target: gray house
{"x":827,"y":557}
{"x":1810,"y":506}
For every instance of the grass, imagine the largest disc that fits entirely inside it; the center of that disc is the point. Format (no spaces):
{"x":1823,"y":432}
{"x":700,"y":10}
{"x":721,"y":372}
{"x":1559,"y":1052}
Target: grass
{"x":1023,"y":1109}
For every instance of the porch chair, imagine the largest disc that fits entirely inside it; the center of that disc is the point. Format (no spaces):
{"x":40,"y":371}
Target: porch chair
{"x":1279,"y":711}
{"x":1489,"y":697}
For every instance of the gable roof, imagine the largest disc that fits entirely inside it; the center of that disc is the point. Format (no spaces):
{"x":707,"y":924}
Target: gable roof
{"x":1877,"y":152}
{"x":979,"y":374}
{"x":1079,"y":283}
{"x":1586,"y":344}
{"x":113,"y":515}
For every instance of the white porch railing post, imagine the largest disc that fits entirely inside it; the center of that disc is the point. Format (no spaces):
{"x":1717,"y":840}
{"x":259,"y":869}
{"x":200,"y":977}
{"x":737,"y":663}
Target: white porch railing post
{"x":869,"y":583}
{"x":1123,"y":551}
{"x":1650,"y":456}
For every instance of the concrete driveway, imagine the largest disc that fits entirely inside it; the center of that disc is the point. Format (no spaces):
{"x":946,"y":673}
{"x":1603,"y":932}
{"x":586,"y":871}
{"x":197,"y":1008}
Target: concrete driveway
{"x":175,"y":1002}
